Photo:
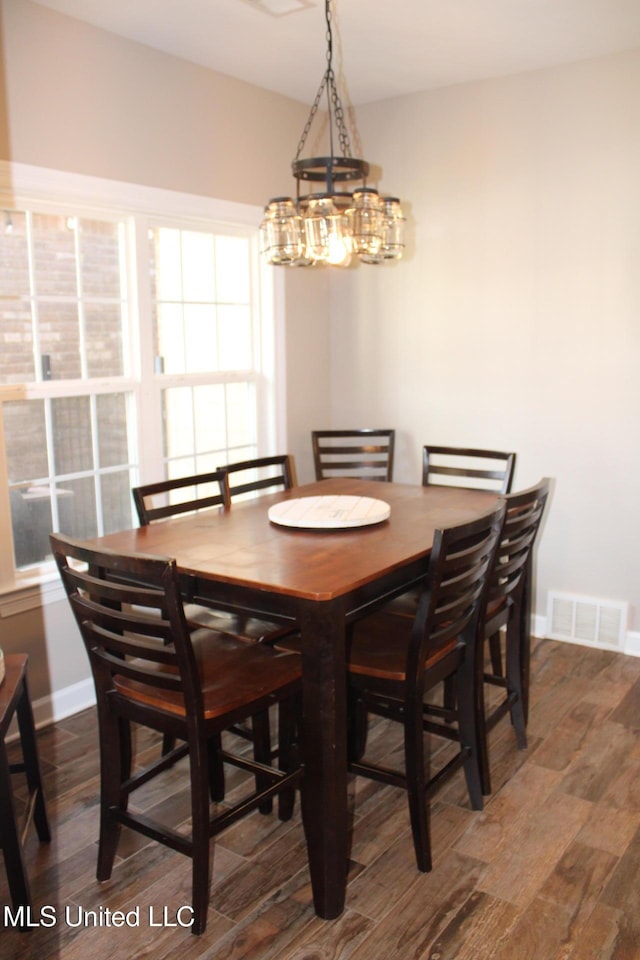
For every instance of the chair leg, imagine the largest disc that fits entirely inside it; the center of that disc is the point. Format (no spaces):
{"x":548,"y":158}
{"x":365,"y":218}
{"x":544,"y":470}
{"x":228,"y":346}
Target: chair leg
{"x":514,"y":682}
{"x":496,"y":655}
{"x":467,"y":730}
{"x":262,"y":753}
{"x":126,"y":756}
{"x":168,"y":743}
{"x":216,"y":769}
{"x":416,"y":780}
{"x":9,"y":838}
{"x":288,"y":711}
{"x":200,"y":850}
{"x":358,"y":722}
{"x":31,"y":764}
{"x":449,"y":695}
{"x":112,"y":764}
{"x":522,"y":616}
{"x":481,"y":730}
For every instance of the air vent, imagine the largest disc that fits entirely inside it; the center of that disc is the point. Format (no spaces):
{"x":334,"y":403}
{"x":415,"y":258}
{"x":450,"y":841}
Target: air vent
{"x":598,"y":623}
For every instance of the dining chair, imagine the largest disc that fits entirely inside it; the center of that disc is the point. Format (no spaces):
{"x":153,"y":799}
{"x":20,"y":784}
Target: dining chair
{"x":504,"y":615}
{"x":468,"y":467}
{"x":150,"y":668}
{"x":197,"y":492}
{"x":263,"y":473}
{"x":460,"y":467}
{"x":15,"y":702}
{"x":168,"y":498}
{"x":180,"y":495}
{"x":244,"y":478}
{"x":394,"y":662}
{"x":366,"y":454}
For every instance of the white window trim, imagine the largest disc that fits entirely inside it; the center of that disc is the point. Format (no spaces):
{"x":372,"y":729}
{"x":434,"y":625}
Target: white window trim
{"x":25,"y":184}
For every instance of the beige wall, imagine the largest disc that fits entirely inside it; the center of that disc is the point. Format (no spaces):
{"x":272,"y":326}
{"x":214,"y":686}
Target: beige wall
{"x":86,"y":101}
{"x":514,"y":321}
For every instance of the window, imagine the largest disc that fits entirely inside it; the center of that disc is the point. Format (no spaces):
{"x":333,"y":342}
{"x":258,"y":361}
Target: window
{"x":133,"y":345}
{"x":204,"y":329}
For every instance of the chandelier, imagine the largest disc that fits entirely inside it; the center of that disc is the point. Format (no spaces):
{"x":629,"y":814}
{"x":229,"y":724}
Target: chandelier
{"x":341,"y":220}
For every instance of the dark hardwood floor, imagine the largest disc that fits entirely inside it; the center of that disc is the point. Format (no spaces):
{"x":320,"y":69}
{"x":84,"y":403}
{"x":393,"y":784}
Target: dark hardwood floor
{"x":550,"y":869}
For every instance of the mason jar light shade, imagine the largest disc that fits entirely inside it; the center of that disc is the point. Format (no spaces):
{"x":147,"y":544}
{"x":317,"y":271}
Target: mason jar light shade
{"x":366,"y":222}
{"x":281,"y":236}
{"x":331,"y":218}
{"x":393,"y":229}
{"x":327,"y":240}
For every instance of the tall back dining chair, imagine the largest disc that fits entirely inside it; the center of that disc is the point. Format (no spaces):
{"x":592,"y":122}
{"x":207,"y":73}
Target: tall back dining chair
{"x":506,"y":613}
{"x":366,"y":454}
{"x":168,"y":498}
{"x":180,"y":495}
{"x":149,"y":668}
{"x":393,"y":663}
{"x":468,"y":467}
{"x":260,"y":474}
{"x":185,"y":495}
{"x":460,"y":467}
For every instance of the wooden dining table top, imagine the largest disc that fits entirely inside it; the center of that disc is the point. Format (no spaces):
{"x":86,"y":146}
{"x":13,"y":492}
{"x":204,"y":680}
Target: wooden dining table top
{"x":242,"y":546}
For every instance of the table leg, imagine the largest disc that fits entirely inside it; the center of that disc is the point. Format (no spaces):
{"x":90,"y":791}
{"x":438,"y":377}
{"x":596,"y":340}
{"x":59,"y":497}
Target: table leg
{"x":324,"y":792}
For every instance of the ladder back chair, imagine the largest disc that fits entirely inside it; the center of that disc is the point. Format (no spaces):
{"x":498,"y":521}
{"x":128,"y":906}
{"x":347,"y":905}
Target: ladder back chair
{"x":263,"y":473}
{"x":244,"y":478}
{"x":203,"y":491}
{"x":393,"y":663}
{"x":468,"y":467}
{"x":460,"y":467}
{"x":366,"y":454}
{"x":151,"y":669}
{"x":181,"y":495}
{"x":505,"y":612}
{"x":15,"y":702}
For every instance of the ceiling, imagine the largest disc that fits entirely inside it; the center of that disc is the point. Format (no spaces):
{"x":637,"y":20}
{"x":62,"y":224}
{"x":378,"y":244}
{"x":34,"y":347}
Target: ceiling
{"x":387,"y":49}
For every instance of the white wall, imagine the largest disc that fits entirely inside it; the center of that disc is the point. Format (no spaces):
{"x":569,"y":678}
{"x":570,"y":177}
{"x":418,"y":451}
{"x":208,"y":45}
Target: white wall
{"x":514,"y":321}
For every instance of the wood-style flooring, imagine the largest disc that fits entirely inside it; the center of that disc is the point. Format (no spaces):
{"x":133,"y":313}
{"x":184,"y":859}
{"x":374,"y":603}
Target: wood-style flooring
{"x":550,"y":870}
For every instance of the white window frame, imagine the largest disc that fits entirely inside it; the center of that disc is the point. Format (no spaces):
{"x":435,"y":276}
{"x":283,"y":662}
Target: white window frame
{"x":142,"y":207}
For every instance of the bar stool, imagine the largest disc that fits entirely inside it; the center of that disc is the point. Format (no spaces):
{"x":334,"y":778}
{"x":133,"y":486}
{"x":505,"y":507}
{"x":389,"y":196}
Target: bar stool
{"x":14,"y":701}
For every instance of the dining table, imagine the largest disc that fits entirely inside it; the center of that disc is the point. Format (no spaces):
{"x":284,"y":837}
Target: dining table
{"x":320,"y":579}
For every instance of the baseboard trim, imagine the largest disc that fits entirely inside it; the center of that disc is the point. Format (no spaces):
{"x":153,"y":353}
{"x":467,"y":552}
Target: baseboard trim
{"x":632,"y":646}
{"x":64,"y":703}
{"x":631,"y":641}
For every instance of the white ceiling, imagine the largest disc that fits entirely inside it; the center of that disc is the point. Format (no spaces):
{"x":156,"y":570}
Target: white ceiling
{"x":387,"y":49}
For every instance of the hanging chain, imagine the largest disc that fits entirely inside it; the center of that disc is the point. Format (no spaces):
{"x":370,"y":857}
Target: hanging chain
{"x":314,"y":110}
{"x":335,"y":110}
{"x":338,"y":113}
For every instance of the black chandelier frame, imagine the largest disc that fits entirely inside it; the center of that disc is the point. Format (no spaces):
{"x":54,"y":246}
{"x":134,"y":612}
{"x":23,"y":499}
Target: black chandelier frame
{"x":333,"y":169}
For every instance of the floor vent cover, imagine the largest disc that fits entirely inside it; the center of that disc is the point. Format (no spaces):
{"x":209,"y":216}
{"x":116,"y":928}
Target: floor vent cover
{"x":602,"y":623}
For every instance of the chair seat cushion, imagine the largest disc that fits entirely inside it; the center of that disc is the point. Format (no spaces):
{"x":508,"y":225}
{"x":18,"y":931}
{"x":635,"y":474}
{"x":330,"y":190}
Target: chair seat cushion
{"x":379,"y":647}
{"x":234,"y":675}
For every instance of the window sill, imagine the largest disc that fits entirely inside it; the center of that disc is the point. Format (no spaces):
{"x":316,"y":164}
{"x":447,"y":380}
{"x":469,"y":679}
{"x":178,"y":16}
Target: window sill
{"x":30,"y":595}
